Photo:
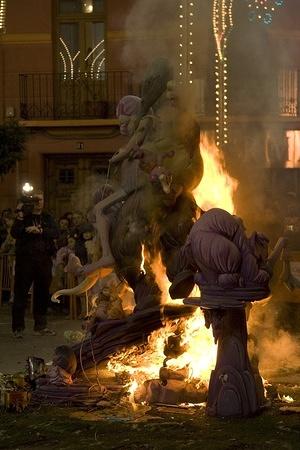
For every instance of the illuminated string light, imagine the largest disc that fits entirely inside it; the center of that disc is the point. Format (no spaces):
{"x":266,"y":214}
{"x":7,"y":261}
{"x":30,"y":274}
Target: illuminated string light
{"x":99,"y":69}
{"x":72,"y":59}
{"x":96,"y":58}
{"x":94,"y":61}
{"x":69,"y":56}
{"x":2,"y":15}
{"x":64,"y":64}
{"x":222,"y":26}
{"x":77,"y":54}
{"x":95,"y":48}
{"x":186,"y":32}
{"x":262,"y":10}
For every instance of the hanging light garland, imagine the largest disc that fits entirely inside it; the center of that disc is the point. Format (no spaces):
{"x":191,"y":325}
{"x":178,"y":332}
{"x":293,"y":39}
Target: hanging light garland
{"x":262,"y":10}
{"x":2,"y":15}
{"x":185,"y":45}
{"x":222,"y":26}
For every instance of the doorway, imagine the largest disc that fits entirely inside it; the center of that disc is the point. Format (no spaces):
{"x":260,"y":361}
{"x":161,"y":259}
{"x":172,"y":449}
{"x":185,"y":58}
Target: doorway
{"x":71,"y":180}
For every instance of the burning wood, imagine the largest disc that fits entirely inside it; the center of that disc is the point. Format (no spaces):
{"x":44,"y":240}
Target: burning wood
{"x":174,"y":392}
{"x":181,"y":354}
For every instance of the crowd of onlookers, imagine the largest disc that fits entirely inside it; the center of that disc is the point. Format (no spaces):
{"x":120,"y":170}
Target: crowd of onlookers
{"x":78,"y":234}
{"x":75,"y":239}
{"x":75,"y":232}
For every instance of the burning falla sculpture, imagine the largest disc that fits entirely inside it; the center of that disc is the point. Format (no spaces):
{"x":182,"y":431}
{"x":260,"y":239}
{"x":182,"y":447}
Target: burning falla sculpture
{"x":152,"y":207}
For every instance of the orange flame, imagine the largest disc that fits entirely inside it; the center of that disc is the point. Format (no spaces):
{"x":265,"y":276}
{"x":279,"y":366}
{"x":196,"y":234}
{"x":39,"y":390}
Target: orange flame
{"x":161,"y":278}
{"x":217,"y":187}
{"x":142,"y":266}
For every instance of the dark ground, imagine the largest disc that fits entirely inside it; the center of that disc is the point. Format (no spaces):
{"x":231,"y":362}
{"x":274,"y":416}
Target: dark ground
{"x":13,"y":352}
{"x":158,"y":428}
{"x":115,"y":425}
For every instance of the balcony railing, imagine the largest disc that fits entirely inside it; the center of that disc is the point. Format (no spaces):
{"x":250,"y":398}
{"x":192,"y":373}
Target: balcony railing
{"x":58,"y":96}
{"x":288,"y":91}
{"x":86,"y":96}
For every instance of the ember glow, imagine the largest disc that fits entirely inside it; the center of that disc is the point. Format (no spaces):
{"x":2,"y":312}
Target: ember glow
{"x":217,"y":187}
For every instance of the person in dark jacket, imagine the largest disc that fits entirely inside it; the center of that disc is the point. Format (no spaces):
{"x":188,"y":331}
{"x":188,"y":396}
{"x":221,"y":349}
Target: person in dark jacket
{"x":34,"y":231}
{"x":64,"y":232}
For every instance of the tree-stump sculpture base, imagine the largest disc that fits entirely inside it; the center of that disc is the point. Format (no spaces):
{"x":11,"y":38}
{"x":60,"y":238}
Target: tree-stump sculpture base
{"x":234,"y":389}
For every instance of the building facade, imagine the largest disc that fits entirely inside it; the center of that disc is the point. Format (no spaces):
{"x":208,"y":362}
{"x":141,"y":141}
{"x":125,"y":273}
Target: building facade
{"x":65,"y":64}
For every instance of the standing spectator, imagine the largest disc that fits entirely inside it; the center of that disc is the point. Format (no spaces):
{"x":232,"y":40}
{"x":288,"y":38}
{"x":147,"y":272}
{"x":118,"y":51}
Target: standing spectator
{"x":77,"y":222}
{"x":81,"y":249}
{"x":8,"y":248}
{"x":64,"y":232}
{"x":68,"y":215}
{"x":60,"y":261}
{"x":8,"y":245}
{"x":90,"y":242}
{"x":34,"y":231}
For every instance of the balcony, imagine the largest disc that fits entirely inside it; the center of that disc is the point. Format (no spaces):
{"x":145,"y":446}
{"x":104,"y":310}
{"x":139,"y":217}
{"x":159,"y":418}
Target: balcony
{"x":46,"y":96}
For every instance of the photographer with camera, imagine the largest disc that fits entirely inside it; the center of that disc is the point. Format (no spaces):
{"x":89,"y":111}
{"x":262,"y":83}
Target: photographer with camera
{"x":34,"y":231}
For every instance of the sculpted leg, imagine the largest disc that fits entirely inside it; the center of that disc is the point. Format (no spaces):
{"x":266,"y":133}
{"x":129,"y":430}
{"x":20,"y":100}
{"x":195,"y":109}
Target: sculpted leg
{"x":103,"y":225}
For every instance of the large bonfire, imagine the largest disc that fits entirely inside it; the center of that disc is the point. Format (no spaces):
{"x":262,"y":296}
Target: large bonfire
{"x":198,"y":358}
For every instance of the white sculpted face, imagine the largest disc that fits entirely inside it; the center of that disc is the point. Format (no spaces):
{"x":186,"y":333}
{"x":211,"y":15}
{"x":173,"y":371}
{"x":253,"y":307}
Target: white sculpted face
{"x":127,"y":124}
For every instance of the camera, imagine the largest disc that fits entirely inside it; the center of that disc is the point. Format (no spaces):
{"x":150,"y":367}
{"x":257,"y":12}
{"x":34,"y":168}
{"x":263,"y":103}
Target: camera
{"x":29,"y":202}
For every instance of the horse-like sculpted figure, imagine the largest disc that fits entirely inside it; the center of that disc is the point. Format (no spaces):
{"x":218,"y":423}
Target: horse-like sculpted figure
{"x":151,"y":205}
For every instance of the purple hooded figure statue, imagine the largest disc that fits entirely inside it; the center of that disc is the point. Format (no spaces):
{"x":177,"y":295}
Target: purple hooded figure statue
{"x":230,"y":270}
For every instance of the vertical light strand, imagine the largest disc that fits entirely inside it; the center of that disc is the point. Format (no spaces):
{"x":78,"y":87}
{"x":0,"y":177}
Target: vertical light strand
{"x":222,"y":26}
{"x":186,"y":42}
{"x":100,"y":67}
{"x":64,"y":64}
{"x":182,"y":42}
{"x":2,"y":15}
{"x":190,"y":39}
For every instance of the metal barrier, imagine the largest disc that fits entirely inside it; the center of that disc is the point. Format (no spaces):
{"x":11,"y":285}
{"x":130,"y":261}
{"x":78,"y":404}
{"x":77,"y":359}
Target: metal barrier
{"x":7,"y":262}
{"x":71,"y":281}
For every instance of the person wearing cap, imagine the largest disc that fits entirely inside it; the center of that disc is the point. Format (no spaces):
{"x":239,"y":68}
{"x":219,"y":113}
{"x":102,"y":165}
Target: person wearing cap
{"x":34,"y":231}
